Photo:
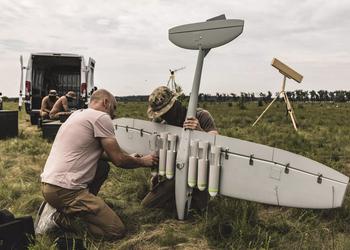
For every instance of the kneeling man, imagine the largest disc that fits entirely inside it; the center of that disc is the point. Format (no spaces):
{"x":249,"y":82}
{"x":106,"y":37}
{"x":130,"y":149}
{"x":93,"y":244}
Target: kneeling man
{"x":74,"y":173}
{"x":61,"y":106}
{"x":47,"y":104}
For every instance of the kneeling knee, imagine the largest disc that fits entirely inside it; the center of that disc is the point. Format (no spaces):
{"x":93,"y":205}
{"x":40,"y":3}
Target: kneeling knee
{"x":116,"y":233}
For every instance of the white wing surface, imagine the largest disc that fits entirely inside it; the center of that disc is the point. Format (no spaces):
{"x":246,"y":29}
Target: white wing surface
{"x":248,"y":170}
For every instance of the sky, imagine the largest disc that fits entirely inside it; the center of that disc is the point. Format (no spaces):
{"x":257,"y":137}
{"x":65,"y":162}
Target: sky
{"x":129,"y":41}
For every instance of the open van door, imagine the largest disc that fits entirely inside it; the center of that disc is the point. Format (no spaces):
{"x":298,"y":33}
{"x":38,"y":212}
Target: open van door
{"x":21,"y":82}
{"x":83,"y":82}
{"x":28,"y":85}
{"x":90,"y":75}
{"x":20,"y":96}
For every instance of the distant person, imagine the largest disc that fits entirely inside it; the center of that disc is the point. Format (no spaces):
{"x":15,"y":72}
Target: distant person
{"x":47,"y":104}
{"x":20,"y":101}
{"x":164,"y":107}
{"x":61,"y":106}
{"x":1,"y":101}
{"x":74,"y":172}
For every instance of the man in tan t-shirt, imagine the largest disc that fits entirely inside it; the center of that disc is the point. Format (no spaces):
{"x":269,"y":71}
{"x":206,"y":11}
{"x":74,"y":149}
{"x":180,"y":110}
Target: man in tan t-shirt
{"x":164,"y":107}
{"x":61,"y":106}
{"x":47,"y":104}
{"x":74,"y":173}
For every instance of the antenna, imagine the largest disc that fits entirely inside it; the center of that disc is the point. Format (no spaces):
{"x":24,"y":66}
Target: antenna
{"x":286,"y":71}
{"x":172,"y":83}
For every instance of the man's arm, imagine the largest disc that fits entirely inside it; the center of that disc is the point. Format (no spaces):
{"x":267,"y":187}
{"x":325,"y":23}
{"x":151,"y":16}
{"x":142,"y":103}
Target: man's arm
{"x":65,"y":104}
{"x":44,"y":105}
{"x":123,"y":160}
{"x":193,"y":123}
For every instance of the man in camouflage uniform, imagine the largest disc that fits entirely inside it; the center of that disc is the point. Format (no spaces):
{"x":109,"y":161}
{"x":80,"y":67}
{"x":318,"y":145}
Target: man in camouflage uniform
{"x":164,"y":107}
{"x":47,"y":104}
{"x":61,"y":106}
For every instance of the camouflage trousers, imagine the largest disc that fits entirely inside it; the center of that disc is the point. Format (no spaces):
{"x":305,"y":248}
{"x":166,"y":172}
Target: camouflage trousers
{"x":163,"y":194}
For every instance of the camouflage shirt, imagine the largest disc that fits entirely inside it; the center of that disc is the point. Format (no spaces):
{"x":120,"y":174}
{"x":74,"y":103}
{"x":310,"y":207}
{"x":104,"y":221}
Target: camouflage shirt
{"x":205,"y":119}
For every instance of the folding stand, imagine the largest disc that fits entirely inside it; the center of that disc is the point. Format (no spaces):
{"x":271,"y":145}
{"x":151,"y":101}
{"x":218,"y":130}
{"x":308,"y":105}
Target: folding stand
{"x":290,"y":73}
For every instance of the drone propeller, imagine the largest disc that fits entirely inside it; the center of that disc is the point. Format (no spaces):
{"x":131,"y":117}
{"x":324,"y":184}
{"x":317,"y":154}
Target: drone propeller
{"x":179,"y":69}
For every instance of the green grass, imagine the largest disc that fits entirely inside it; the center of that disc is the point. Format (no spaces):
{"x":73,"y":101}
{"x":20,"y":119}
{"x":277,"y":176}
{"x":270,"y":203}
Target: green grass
{"x":227,"y":223}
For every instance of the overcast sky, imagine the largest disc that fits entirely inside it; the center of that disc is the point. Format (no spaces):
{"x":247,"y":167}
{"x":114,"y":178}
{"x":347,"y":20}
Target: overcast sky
{"x":129,"y":41}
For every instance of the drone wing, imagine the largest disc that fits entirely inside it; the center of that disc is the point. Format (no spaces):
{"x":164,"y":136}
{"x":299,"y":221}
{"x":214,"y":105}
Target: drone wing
{"x":242,"y":169}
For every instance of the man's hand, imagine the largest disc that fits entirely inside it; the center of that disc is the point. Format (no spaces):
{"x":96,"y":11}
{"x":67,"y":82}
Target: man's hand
{"x":136,"y":155}
{"x":192,"y":123}
{"x":150,"y":160}
{"x":123,"y":160}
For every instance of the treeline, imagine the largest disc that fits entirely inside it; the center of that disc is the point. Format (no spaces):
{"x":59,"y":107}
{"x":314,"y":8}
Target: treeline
{"x":297,"y":95}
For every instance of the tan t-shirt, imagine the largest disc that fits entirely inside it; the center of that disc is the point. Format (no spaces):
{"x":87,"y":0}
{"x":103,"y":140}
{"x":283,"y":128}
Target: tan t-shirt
{"x":74,"y":154}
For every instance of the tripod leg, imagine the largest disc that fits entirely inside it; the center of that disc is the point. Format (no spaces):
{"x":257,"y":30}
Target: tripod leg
{"x":172,"y":83}
{"x":266,"y":109}
{"x":169,"y":81}
{"x":290,"y":111}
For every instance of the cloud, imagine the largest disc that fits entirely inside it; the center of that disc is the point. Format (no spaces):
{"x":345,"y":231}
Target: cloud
{"x":129,"y":40}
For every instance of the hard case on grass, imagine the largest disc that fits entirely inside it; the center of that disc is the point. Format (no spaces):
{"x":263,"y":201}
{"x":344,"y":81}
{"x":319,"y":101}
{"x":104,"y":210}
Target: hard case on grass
{"x":8,"y":124}
{"x":16,"y":234}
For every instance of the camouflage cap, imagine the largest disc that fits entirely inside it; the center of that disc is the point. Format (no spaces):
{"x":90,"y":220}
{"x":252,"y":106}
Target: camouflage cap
{"x":52,"y":92}
{"x":160,"y":101}
{"x":71,"y":94}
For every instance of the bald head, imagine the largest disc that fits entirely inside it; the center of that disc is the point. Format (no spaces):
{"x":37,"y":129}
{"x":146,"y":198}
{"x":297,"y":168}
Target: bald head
{"x":101,"y":94}
{"x":104,"y":101}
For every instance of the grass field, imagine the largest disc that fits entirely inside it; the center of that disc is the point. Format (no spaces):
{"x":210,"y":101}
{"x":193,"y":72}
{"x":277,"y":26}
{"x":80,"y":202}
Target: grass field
{"x":227,"y":223}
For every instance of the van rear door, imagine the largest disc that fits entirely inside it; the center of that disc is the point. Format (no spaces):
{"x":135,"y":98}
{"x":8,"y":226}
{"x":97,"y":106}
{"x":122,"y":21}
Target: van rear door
{"x":83,"y":76}
{"x":90,"y":75}
{"x":21,"y":81}
{"x":28,"y":85}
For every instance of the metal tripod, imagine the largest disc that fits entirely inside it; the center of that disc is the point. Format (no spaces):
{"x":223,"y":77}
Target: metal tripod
{"x":171,"y":82}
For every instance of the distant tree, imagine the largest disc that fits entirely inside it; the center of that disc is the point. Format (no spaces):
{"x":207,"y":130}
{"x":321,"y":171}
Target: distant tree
{"x":292,"y":96}
{"x":242,"y":100}
{"x":298,"y":95}
{"x":269,"y":96}
{"x":233,"y":96}
{"x":313,"y":96}
{"x":340,"y":96}
{"x":252,"y":97}
{"x":262,"y":97}
{"x":323,"y":95}
{"x":218,"y":97}
{"x":305,"y":95}
{"x":347,"y":95}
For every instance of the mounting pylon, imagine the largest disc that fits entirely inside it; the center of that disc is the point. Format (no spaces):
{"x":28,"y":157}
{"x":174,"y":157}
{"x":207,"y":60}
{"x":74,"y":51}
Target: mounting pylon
{"x":290,"y":73}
